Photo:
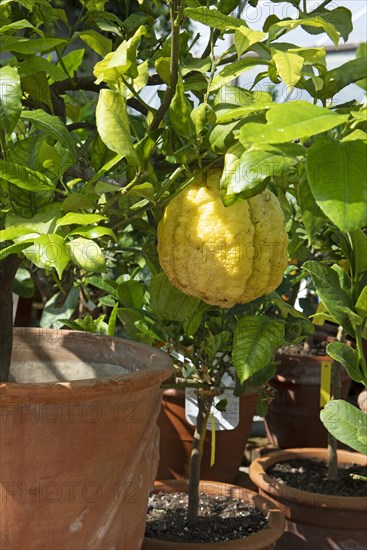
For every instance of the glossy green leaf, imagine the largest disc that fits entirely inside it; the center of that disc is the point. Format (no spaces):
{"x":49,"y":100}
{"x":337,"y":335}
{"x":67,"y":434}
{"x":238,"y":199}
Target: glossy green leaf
{"x":168,"y":302}
{"x":104,"y":284}
{"x":179,"y":113}
{"x":328,"y":288}
{"x":361,"y":305}
{"x":289,"y":25}
{"x":234,"y":70}
{"x":47,"y":252}
{"x":340,"y":77}
{"x":256,"y":339}
{"x":247,"y":176}
{"x":346,"y":423}
{"x":113,"y":124}
{"x":358,"y":241}
{"x":23,"y":284}
{"x":97,"y":42}
{"x":18,"y":25}
{"x":73,"y":60}
{"x":36,"y":64}
{"x":313,"y":218}
{"x":337,"y":176}
{"x":42,"y":222}
{"x":72,"y":218}
{"x":131,"y":294}
{"x":213,"y":18}
{"x":37,"y":86}
{"x":221,"y":137}
{"x":87,"y":254}
{"x":53,"y":126}
{"x":94,"y":232}
{"x":24,"y":177}
{"x":10,"y":98}
{"x":289,"y":67}
{"x":346,"y":356}
{"x":290,"y":121}
{"x":29,"y":46}
{"x":245,"y":37}
{"x":15,"y":248}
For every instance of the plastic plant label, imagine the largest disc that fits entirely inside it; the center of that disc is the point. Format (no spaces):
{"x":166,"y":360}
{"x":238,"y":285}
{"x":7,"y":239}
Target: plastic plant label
{"x":325,"y":383}
{"x":223,"y":420}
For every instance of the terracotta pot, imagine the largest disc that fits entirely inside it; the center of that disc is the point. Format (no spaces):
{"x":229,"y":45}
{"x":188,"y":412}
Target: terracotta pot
{"x":79,"y":442}
{"x":314,"y":521}
{"x":176,"y":440}
{"x":263,"y":539}
{"x":293,"y":418}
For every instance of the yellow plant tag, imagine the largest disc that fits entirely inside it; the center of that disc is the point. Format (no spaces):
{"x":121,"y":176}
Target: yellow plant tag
{"x":212,"y":453}
{"x":325,"y":383}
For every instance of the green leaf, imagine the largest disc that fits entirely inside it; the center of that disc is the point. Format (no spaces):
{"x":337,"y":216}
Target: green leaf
{"x":290,"y":121}
{"x":233,"y":70}
{"x":97,"y":42}
{"x":37,"y":64}
{"x":342,"y":76}
{"x":129,"y":318}
{"x":179,"y":113}
{"x":20,"y":24}
{"x":221,"y":137}
{"x":29,"y":46}
{"x":289,"y":67}
{"x":264,"y":375}
{"x":328,"y":288}
{"x":76,"y":218}
{"x":15,"y":248}
{"x":344,"y":422}
{"x":104,"y":284}
{"x":361,"y":305}
{"x":47,"y":252}
{"x":192,"y":323}
{"x":23,"y":177}
{"x":168,"y":302}
{"x":51,"y":316}
{"x":244,"y":38}
{"x":36,"y":85}
{"x":10,"y":98}
{"x":247,"y":176}
{"x":73,"y":60}
{"x":131,"y":294}
{"x":87,"y":254}
{"x":285,"y":26}
{"x":42,"y":222}
{"x":120,"y":62}
{"x":53,"y":126}
{"x":23,"y":284}
{"x":313,"y":218}
{"x":112,"y":321}
{"x":358,"y":241}
{"x":113,"y":124}
{"x":213,"y":18}
{"x":256,"y":339}
{"x":337,"y":176}
{"x":346,"y":356}
{"x":93,"y":232}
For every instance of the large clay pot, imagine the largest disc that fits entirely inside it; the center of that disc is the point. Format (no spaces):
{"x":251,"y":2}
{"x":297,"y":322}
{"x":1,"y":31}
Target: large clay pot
{"x":293,"y":418}
{"x":262,"y":540}
{"x":314,"y":521}
{"x":176,"y":440}
{"x":79,"y":442}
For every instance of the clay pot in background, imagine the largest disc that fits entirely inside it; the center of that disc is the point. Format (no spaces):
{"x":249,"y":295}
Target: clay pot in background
{"x":293,"y":417}
{"x":176,"y":440}
{"x":313,"y":521}
{"x":262,"y":540}
{"x":79,"y":454}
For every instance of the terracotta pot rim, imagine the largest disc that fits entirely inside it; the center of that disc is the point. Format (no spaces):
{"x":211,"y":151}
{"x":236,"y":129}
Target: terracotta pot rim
{"x":160,"y":366}
{"x":266,"y":536}
{"x":269,"y":485}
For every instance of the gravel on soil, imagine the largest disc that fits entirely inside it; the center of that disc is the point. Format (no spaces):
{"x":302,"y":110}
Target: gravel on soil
{"x":220,"y":518}
{"x":311,"y":475}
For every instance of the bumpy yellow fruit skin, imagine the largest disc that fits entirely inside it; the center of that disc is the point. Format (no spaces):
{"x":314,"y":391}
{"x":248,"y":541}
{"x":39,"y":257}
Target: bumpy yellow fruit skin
{"x":223,"y":255}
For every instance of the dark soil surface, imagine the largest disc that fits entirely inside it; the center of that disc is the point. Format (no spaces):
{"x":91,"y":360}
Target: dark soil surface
{"x":220,"y":519}
{"x":311,"y":475}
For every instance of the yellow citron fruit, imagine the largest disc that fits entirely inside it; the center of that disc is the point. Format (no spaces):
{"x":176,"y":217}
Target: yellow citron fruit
{"x":223,"y":255}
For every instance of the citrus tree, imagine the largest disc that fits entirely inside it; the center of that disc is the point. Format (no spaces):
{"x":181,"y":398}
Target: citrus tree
{"x":108,"y":111}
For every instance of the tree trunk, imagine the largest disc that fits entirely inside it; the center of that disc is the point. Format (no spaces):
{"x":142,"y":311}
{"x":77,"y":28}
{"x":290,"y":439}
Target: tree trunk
{"x":204,"y":405}
{"x":8,"y":269}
